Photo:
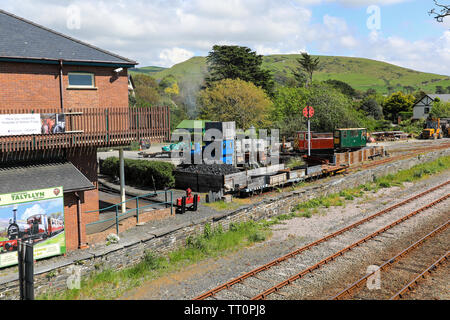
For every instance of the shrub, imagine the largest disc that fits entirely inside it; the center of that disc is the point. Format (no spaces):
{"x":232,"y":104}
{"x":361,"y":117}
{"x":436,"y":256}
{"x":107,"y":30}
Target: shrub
{"x":141,"y":172}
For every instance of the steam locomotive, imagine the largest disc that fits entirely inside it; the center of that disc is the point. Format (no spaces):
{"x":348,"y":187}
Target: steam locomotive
{"x":37,"y":228}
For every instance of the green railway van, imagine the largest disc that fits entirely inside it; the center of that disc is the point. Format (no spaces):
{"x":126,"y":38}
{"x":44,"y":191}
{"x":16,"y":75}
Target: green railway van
{"x":351,"y":138}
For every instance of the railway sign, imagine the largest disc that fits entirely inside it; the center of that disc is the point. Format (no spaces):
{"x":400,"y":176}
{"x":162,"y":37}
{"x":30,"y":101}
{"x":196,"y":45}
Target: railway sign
{"x":308,"y":112}
{"x":35,"y":217}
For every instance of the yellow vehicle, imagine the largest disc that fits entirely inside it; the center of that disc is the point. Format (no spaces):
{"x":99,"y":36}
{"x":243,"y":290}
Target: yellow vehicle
{"x":432,"y":129}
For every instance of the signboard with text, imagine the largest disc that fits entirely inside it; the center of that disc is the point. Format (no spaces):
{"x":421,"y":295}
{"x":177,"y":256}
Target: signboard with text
{"x":19,"y":124}
{"x":32,"y":123}
{"x":35,"y":217}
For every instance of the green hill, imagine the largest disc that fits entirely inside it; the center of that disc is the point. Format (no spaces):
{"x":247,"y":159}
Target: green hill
{"x":146,"y":70}
{"x":360,"y":73}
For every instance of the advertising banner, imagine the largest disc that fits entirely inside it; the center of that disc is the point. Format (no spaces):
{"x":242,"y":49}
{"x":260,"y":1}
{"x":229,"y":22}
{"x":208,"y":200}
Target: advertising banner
{"x":33,"y":123}
{"x":19,"y":124}
{"x":36,"y":217}
{"x":53,"y":123}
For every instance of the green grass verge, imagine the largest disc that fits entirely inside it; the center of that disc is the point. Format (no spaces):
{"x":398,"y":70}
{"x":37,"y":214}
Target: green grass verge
{"x":110,"y":284}
{"x":416,"y":173}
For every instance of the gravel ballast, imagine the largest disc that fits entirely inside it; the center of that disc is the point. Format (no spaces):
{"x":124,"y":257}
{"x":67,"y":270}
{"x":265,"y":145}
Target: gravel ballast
{"x":196,"y":279}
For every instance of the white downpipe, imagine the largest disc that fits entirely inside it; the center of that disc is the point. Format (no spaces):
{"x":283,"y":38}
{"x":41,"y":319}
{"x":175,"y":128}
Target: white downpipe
{"x":122,"y":181}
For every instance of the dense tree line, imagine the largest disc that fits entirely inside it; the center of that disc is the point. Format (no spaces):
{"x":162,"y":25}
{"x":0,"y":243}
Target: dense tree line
{"x":238,"y":88}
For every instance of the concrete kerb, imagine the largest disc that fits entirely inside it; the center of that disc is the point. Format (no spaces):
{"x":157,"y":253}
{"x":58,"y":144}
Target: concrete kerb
{"x":106,"y":250}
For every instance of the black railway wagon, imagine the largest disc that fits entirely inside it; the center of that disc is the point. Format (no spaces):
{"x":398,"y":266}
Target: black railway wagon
{"x":350,"y":138}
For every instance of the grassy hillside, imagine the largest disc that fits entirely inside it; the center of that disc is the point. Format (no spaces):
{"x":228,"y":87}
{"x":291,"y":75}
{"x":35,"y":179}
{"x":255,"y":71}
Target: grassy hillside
{"x":147,"y":70}
{"x":360,"y":73}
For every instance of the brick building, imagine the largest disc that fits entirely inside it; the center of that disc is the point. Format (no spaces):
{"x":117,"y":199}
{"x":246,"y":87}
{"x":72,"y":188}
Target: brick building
{"x":45,"y":72}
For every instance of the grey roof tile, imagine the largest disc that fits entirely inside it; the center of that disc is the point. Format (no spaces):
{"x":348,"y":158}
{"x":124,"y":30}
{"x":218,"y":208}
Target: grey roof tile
{"x":42,"y":176}
{"x":20,"y":38}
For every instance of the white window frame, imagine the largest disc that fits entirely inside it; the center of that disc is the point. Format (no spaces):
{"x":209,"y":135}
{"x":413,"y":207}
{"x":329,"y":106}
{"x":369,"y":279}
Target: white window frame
{"x":92,"y":86}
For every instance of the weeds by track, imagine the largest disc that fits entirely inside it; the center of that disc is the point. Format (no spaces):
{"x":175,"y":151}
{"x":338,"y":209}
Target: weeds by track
{"x":292,"y":254}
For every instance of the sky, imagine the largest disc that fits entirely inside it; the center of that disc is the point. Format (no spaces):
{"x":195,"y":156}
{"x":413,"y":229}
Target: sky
{"x":167,"y":32}
{"x":28,"y":209}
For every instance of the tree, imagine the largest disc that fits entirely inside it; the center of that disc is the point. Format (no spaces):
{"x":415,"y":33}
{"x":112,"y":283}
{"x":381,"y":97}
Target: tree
{"x":172,"y":91}
{"x":396,"y":103}
{"x":440,"y":90}
{"x":300,"y":78}
{"x":342,"y":86}
{"x":235,"y":100}
{"x":370,"y":92}
{"x":372,"y":108}
{"x":419,"y":94}
{"x":332,"y":109}
{"x":440,"y":109}
{"x":441,"y":13}
{"x":167,"y":82}
{"x":409,"y":89}
{"x":235,"y":62}
{"x":147,"y":91}
{"x":309,"y":65}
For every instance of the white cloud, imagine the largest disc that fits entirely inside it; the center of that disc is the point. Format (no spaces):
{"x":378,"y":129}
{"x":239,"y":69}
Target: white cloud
{"x":34,"y":210}
{"x":369,"y":2}
{"x":353,"y":3}
{"x":431,"y":55}
{"x":169,"y":57}
{"x":166,"y":32}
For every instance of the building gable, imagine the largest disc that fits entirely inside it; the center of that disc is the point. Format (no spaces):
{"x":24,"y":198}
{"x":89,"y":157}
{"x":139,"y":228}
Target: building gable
{"x":22,"y":39}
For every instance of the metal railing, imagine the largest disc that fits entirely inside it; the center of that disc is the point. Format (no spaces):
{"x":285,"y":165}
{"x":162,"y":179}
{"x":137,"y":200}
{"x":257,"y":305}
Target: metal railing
{"x":102,"y":127}
{"x":117,"y":207}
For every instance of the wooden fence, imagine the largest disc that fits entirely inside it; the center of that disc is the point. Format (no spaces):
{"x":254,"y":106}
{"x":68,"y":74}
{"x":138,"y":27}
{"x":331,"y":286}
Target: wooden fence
{"x":101,"y":127}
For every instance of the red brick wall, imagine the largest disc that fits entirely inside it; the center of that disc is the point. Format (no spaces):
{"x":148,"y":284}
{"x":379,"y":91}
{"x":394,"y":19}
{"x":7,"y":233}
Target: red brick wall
{"x":70,"y":221}
{"x":85,"y":160}
{"x":29,"y":85}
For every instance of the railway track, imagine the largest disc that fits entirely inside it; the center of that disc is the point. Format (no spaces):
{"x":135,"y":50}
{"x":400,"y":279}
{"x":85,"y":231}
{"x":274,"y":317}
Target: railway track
{"x":248,"y":285}
{"x":401,"y":157}
{"x":434,"y":243}
{"x":411,"y":285}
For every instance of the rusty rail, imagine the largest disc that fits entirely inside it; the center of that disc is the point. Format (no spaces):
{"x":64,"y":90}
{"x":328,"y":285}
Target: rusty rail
{"x":416,"y":280}
{"x":353,"y":287}
{"x":249,"y":274}
{"x":401,"y":157}
{"x":341,"y":252}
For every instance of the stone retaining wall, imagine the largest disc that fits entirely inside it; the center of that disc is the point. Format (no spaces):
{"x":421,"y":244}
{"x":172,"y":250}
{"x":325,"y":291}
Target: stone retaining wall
{"x":125,"y":224}
{"x":54,"y":275}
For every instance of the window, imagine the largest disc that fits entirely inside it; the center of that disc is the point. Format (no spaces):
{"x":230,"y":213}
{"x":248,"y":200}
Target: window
{"x":427,"y":110}
{"x":81,"y":80}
